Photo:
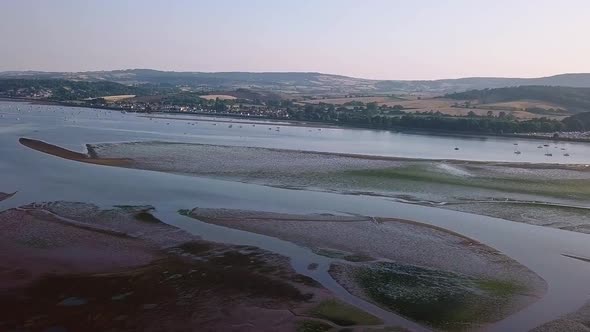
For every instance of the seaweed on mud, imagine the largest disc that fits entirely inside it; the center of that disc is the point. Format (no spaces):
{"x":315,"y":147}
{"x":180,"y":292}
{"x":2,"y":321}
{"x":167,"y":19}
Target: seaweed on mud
{"x":313,"y":326}
{"x":343,"y":314}
{"x":563,"y":188}
{"x":184,"y":212}
{"x":147,"y":217}
{"x":338,"y":254}
{"x":172,"y":283}
{"x":195,"y":247}
{"x":438,"y":298}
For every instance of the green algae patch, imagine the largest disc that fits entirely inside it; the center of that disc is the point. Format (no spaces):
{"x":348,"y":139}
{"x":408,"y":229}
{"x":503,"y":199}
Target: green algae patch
{"x":184,"y":212}
{"x":343,"y":314}
{"x":358,"y":258}
{"x":147,"y":217}
{"x":313,"y":326}
{"x":140,"y":212}
{"x":387,"y":329}
{"x":196,"y":247}
{"x":500,"y":287}
{"x":578,"y":188}
{"x":440,"y":299}
{"x":332,"y":253}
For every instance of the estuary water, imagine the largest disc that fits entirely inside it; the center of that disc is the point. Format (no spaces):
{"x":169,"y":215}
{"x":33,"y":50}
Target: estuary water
{"x":38,"y":177}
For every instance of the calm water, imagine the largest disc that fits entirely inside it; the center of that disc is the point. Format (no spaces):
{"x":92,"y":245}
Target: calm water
{"x":40,"y":177}
{"x":58,"y":123}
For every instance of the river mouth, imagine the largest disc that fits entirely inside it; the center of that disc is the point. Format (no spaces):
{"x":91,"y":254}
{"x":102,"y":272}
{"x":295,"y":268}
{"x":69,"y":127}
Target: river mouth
{"x":538,"y":248}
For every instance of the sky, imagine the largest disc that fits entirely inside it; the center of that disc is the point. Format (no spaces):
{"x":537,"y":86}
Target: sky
{"x":380,"y":39}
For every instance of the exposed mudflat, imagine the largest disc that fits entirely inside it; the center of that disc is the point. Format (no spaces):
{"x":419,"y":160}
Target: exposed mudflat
{"x":71,"y":155}
{"x":366,"y":242}
{"x":507,"y":190}
{"x":4,"y":196}
{"x":578,"y":321}
{"x":74,"y":266}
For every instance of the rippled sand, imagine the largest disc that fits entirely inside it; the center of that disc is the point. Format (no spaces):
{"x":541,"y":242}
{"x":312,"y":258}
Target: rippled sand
{"x":357,"y":242}
{"x":516,"y":192}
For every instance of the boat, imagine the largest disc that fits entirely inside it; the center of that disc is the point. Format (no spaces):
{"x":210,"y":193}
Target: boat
{"x":456,"y":149}
{"x":548,"y":154}
{"x":517,"y":152}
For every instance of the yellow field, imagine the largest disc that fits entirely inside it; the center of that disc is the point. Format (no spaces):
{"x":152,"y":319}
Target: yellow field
{"x":381,"y":100}
{"x":522,"y":104}
{"x":481,"y":112}
{"x":445,"y":106}
{"x":221,"y":97}
{"x":116,"y":98}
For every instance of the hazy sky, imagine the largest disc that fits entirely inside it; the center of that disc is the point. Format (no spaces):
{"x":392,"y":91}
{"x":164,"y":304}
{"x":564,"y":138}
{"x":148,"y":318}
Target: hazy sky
{"x":388,"y":39}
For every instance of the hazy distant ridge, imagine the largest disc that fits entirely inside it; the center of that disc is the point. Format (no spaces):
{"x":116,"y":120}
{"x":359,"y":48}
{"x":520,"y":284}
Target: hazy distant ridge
{"x":302,"y":82}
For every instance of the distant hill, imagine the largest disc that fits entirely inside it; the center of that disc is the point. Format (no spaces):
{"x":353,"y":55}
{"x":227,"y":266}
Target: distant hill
{"x":575,"y":100}
{"x":59,"y":89}
{"x":301,"y":82}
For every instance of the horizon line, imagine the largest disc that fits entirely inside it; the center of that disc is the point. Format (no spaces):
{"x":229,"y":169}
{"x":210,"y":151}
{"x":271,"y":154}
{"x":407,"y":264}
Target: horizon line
{"x":289,"y":72}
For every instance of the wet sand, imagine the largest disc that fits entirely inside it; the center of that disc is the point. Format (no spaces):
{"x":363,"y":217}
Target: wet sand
{"x":356,"y":242}
{"x":71,"y":155}
{"x":575,"y":322}
{"x":75,"y":266}
{"x":4,"y":196}
{"x":541,"y":194}
{"x":548,"y":195}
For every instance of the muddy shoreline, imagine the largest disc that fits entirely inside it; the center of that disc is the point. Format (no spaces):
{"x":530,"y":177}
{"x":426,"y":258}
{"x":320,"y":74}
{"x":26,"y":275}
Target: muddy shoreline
{"x":366,"y":243}
{"x":57,"y":151}
{"x":4,"y":196}
{"x":529,"y":193}
{"x":61,"y":268}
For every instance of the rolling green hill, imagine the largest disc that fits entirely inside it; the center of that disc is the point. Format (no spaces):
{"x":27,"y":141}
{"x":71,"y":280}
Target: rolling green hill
{"x":59,"y":89}
{"x":575,"y":100}
{"x":301,"y":82}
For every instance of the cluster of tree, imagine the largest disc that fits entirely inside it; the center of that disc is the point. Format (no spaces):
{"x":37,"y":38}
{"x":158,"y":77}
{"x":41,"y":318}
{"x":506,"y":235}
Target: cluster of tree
{"x":578,"y":122}
{"x":573,"y":99}
{"x":65,"y":90}
{"x":494,"y":125}
{"x":371,"y":117}
{"x":183,"y":99}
